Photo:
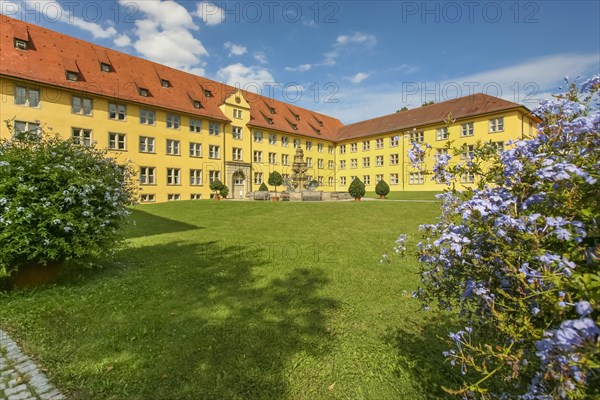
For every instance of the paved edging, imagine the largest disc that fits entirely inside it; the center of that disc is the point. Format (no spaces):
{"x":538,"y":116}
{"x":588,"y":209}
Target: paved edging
{"x":20,"y":378}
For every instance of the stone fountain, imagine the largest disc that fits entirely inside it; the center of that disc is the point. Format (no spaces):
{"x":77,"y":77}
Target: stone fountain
{"x":299,"y":168}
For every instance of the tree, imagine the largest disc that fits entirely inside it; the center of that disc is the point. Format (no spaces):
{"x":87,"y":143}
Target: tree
{"x":428,"y":103}
{"x":275,"y":179}
{"x":382,"y":188}
{"x":519,"y":256}
{"x":263,"y":188}
{"x":357,"y":188}
{"x":224,"y":191}
{"x":216,"y":186}
{"x":59,"y":200}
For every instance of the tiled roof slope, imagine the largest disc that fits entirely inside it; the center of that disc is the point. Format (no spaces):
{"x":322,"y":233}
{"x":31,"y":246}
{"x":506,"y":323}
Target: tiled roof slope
{"x":51,"y":54}
{"x":461,"y":107}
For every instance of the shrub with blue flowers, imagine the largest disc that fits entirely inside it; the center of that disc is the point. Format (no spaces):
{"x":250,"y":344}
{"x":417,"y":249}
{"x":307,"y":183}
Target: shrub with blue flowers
{"x":518,"y":256}
{"x":59,"y":201}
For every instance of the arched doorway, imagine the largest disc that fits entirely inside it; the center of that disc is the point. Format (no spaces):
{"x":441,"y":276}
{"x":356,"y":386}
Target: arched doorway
{"x":238,"y":185}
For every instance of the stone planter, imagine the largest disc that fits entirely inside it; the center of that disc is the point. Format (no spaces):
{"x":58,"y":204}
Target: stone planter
{"x":275,"y":198}
{"x":31,"y":275}
{"x":357,"y":199}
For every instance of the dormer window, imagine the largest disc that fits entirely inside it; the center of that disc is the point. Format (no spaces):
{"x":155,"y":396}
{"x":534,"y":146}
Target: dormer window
{"x":104,"y":67}
{"x":270,"y":121}
{"x":73,"y":76}
{"x":144,"y":92}
{"x":165,"y":83}
{"x":197,"y":104}
{"x":297,"y":117}
{"x":21,"y":44}
{"x":294,"y":127}
{"x":273,"y":111}
{"x":208,"y":93}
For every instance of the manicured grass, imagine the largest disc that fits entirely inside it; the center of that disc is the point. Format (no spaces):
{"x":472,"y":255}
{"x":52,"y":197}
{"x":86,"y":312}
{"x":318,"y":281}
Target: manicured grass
{"x":243,"y":300}
{"x":406,"y":195}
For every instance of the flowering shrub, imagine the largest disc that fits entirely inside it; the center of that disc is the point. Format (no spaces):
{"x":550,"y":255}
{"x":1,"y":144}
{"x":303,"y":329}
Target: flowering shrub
{"x":519,"y":257}
{"x":58,"y":201}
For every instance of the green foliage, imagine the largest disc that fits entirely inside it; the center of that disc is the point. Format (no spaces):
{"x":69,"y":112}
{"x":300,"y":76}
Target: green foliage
{"x":382,"y":188}
{"x":216,"y":186}
{"x":275,"y":179}
{"x":428,"y":103}
{"x":263,"y":188}
{"x":224,"y":192}
{"x":357,"y":188}
{"x":59,"y":201}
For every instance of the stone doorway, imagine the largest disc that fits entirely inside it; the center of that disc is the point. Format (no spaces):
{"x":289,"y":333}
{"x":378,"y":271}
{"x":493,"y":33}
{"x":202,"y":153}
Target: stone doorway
{"x":238,"y":185}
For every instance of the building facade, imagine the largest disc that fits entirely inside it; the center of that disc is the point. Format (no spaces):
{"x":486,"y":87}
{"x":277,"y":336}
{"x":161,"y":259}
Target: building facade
{"x":182,"y":131}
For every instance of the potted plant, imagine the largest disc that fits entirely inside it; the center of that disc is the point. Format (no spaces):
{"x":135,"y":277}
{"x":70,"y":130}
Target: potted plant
{"x":275,"y":179}
{"x":216,"y":186}
{"x":382,"y":189}
{"x":357,"y":189}
{"x":224,"y":192}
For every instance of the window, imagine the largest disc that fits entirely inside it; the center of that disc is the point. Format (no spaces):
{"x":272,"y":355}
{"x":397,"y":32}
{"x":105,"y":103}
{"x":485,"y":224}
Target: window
{"x":496,"y":125}
{"x":366,"y":145}
{"x":214,"y":151}
{"x":378,"y":178}
{"x":173,"y":197}
{"x":238,"y":179}
{"x":21,"y":44}
{"x":330,"y":164}
{"x":144,"y":92}
{"x":173,"y":147}
{"x":330,"y":149}
{"x":195,"y":125}
{"x":81,"y":105}
{"x":173,"y":121}
{"x":467,"y":178}
{"x":237,"y":113}
{"x":25,"y":96}
{"x":272,"y":139}
{"x":117,"y":111}
{"x":320,"y":147}
{"x":195,"y":149}
{"x":366,"y":180}
{"x":416,"y":178}
{"x":147,"y":198}
{"x":393,"y":159}
{"x":214,"y":128}
{"x":195,"y":196}
{"x":165,"y":83}
{"x":441,"y":133}
{"x":342,"y":164}
{"x":285,"y":159}
{"x":466,"y":129}
{"x":418,"y":137}
{"x":27,"y":129}
{"x":173,"y":176}
{"x":309,"y":163}
{"x":394,"y":179}
{"x":237,"y":154}
{"x":196,"y":104}
{"x":285,"y":141}
{"x":272,"y":158}
{"x":258,"y":156}
{"x":116,"y":141}
{"x":308,"y":145}
{"x":208,"y":93}
{"x":379,"y":161}
{"x":379,"y":144}
{"x":366,"y":162}
{"x":81,"y":136}
{"x":236,"y":132}
{"x":499,"y":147}
{"x":468,"y":152}
{"x":147,"y":175}
{"x":343,"y":180}
{"x":286,"y":177}
{"x":439,"y":152}
{"x":258,"y":137}
{"x":353,"y":147}
{"x":104,"y":67}
{"x":343,"y":149}
{"x":320,"y":180}
{"x":330,"y":181}
{"x":394,"y":141}
{"x":320,"y":163}
{"x":146,"y":144}
{"x":297,"y":143}
{"x":258,"y":178}
{"x":195,"y":177}
{"x":147,"y":117}
{"x":72,"y":76}
{"x":214,"y":176}
{"x":353,"y":163}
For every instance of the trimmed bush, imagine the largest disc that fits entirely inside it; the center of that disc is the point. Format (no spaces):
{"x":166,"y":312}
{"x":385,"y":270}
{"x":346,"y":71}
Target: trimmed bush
{"x":224,"y":192}
{"x":216,"y":186}
{"x":263,"y":188}
{"x":382,"y":188}
{"x":357,"y":188}
{"x":275,"y":179}
{"x":59,"y":201}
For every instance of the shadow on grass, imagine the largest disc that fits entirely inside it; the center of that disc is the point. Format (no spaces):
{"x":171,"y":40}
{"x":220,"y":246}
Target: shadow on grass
{"x":195,"y":321}
{"x":419,"y":347}
{"x":147,"y":224}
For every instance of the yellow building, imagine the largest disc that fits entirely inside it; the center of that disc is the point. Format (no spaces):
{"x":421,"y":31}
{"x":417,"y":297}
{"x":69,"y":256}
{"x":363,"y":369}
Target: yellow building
{"x":182,"y":131}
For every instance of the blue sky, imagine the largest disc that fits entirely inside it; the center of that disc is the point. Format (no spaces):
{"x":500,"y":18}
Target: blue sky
{"x":353,"y":60}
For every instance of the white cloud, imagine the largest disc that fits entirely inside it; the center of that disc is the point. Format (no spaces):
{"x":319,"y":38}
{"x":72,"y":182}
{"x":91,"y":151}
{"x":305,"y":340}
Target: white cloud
{"x":210,"y":14}
{"x":405,"y":69}
{"x":240,"y":75}
{"x":260,"y":56}
{"x":235,"y":49}
{"x":365,"y":39}
{"x":359,"y":77}
{"x":165,"y":36}
{"x":122,"y":41}
{"x":299,"y":68}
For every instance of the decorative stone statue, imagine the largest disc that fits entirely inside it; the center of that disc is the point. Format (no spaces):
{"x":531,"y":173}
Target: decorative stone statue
{"x":299,"y":168}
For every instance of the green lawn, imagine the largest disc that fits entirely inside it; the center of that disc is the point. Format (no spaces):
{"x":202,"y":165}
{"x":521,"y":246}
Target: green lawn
{"x":406,"y":195}
{"x":243,"y":300}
